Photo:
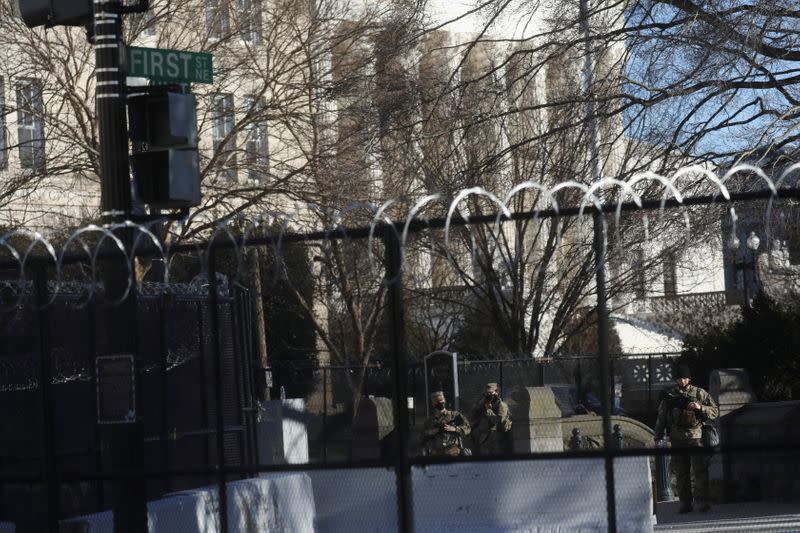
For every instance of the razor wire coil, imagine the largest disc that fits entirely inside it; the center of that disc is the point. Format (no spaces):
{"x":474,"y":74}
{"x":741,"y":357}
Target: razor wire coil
{"x":20,"y":248}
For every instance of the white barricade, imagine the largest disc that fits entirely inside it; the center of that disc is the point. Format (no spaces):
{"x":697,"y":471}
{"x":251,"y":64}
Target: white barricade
{"x":280,"y":502}
{"x":350,"y":500}
{"x":541,"y":496}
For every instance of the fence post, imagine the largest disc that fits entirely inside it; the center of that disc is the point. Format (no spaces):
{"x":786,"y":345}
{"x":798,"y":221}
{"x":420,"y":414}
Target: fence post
{"x":605,"y":363}
{"x":91,"y":333}
{"x":413,"y":409}
{"x":502,"y":384}
{"x":649,"y":384}
{"x":164,"y":307}
{"x":405,"y":514}
{"x":324,"y":414}
{"x":541,"y":373}
{"x":218,"y":384}
{"x":663,"y":488}
{"x":618,"y":437}
{"x":49,"y":479}
{"x":576,"y":440}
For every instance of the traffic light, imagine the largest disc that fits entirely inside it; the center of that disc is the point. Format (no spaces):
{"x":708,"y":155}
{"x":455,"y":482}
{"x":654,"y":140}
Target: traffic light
{"x":53,"y":12}
{"x":164,"y":159}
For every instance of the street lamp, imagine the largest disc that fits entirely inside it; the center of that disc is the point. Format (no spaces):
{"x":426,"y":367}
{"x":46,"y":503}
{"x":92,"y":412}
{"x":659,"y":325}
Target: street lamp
{"x":744,"y":264}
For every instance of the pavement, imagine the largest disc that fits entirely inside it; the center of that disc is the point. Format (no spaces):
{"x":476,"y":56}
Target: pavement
{"x":761,"y":517}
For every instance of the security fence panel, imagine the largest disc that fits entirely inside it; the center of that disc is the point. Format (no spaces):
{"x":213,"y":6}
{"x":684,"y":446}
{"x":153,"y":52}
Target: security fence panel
{"x":590,"y":372}
{"x":354,"y":499}
{"x":547,"y":494}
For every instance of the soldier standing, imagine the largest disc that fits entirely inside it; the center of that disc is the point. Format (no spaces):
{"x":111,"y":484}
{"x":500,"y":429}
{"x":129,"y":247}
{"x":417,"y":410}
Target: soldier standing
{"x":682,"y":411}
{"x":491,"y":422}
{"x":443,"y":430}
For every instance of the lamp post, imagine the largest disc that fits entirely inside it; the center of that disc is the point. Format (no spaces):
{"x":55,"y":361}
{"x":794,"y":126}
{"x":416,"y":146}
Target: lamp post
{"x":743,"y":263}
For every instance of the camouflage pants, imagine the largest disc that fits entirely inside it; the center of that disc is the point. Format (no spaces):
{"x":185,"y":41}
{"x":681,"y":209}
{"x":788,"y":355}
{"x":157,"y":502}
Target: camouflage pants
{"x":687,"y":467}
{"x":452,"y":451}
{"x":491,"y":443}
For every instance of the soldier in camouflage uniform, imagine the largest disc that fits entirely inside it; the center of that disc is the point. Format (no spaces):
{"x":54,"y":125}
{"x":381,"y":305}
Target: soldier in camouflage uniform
{"x":682,"y":411}
{"x":443,"y":431}
{"x":491,"y":422}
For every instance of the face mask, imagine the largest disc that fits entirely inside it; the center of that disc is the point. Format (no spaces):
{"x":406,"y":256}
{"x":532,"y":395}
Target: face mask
{"x":439,"y":406}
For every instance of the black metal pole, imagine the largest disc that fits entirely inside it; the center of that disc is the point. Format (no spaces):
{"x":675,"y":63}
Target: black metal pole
{"x":413,"y":394}
{"x":115,"y":188}
{"x":100,"y":485}
{"x":605,"y":366}
{"x":649,"y":385}
{"x":502,"y":384}
{"x":125,"y":441}
{"x":49,"y":474}
{"x":324,"y":414}
{"x":213,"y":301}
{"x":164,"y":304}
{"x":663,"y":489}
{"x":405,"y":500}
{"x":204,"y":379}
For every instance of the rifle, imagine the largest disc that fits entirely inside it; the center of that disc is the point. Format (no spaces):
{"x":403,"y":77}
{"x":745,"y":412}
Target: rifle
{"x":678,"y":401}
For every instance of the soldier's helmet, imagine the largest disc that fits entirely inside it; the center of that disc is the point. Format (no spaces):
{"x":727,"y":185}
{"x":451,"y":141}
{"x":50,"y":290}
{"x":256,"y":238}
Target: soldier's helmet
{"x":681,"y":371}
{"x":437,"y":396}
{"x":492,"y":385}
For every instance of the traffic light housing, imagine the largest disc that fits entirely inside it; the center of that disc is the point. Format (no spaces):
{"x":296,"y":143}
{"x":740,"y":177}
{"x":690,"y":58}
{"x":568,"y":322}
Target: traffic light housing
{"x":50,"y":13}
{"x":164,"y":159}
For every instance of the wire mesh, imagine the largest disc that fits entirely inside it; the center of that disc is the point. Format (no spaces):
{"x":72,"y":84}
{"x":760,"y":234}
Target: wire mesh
{"x":299,"y":427}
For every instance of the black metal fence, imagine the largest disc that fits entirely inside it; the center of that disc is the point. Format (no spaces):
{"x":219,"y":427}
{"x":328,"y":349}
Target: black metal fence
{"x":176,"y":404}
{"x":639,"y":380}
{"x":211,"y":455}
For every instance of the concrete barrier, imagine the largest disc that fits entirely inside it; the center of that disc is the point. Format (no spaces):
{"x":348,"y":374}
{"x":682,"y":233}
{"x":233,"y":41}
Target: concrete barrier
{"x":350,"y":500}
{"x":272,"y":502}
{"x":542,"y":496}
{"x":552,"y":495}
{"x":281,"y":433}
{"x":537,"y":421}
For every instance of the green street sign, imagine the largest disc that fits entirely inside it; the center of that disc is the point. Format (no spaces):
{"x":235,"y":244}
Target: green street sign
{"x":177,"y":66}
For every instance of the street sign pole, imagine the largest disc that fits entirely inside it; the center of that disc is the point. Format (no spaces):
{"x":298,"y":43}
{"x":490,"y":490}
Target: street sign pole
{"x":110,"y":95}
{"x":122,"y":443}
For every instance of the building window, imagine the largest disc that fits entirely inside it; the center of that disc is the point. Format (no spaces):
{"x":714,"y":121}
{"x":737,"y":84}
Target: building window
{"x":218,"y":19}
{"x":149,"y":23}
{"x":256,"y":150}
{"x":30,"y":126}
{"x":639,"y":279}
{"x":250,"y":20}
{"x":3,"y":138}
{"x":670,"y":274}
{"x":224,"y":142}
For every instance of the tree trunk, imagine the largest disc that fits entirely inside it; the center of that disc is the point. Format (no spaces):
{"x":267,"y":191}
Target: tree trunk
{"x":257,"y":304}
